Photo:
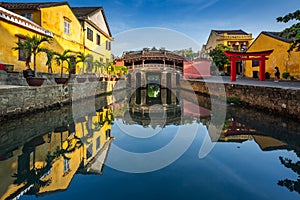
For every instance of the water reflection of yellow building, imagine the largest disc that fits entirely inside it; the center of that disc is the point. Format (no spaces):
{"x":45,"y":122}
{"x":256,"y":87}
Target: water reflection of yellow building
{"x":48,"y":163}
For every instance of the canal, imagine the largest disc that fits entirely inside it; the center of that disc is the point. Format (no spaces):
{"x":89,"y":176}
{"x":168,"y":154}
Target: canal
{"x":150,"y":143}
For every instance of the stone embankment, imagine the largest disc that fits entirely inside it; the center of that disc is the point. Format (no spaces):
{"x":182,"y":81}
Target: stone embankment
{"x":276,"y":100}
{"x":15,"y":100}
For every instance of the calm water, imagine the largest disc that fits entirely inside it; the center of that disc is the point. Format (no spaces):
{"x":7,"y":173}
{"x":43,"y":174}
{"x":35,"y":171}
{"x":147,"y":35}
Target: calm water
{"x":150,"y":145}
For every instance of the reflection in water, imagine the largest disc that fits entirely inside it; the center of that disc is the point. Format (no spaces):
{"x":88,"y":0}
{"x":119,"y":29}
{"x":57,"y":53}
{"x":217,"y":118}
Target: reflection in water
{"x":46,"y":157}
{"x":292,"y":185}
{"x":47,"y":163}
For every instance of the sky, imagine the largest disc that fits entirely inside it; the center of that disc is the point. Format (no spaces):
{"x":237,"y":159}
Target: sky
{"x":184,"y":23}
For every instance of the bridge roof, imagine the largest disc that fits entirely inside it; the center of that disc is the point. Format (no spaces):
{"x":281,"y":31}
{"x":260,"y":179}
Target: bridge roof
{"x":152,"y":55}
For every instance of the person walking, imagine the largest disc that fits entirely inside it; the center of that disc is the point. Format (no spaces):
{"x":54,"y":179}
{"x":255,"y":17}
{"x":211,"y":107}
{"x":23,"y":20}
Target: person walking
{"x":276,"y":74}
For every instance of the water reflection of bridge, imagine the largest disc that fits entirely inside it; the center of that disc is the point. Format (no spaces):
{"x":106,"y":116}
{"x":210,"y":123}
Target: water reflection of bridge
{"x":159,"y":110}
{"x":28,"y":155}
{"x":166,"y":108}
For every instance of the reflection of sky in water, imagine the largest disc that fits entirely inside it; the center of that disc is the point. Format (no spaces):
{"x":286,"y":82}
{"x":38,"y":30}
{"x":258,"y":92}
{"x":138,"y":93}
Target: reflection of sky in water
{"x":147,"y":139}
{"x":230,"y":171}
{"x":234,"y":169}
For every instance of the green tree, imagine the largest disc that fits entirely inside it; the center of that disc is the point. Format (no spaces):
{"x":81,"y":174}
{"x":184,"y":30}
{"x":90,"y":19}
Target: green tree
{"x":84,"y":59}
{"x":50,"y":57}
{"x":31,"y":46}
{"x":187,"y":53}
{"x":99,"y":65}
{"x":218,"y":56}
{"x":63,"y":57}
{"x":292,"y":32}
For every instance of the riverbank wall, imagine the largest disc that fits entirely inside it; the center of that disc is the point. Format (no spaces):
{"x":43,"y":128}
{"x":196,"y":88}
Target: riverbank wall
{"x":275,"y":100}
{"x":18,"y":100}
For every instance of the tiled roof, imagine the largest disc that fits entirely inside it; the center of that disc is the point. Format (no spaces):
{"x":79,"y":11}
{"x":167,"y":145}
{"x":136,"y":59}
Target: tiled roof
{"x":83,"y":12}
{"x":277,"y":36}
{"x":231,"y":32}
{"x":30,"y":6}
{"x":23,"y":22}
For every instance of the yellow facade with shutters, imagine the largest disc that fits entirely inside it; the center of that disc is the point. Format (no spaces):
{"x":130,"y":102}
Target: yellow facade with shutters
{"x":237,"y":40}
{"x":52,"y":18}
{"x":286,"y":62}
{"x":99,"y":43}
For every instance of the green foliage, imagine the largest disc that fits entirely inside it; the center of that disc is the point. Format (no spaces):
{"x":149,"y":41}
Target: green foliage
{"x":292,"y":32}
{"x":99,"y":65}
{"x":234,"y":100}
{"x":218,"y":56}
{"x":187,"y":53}
{"x":50,"y":57}
{"x":64,"y":57}
{"x":122,"y":70}
{"x":31,"y":46}
{"x":285,"y":75}
{"x":85,"y":59}
{"x":110,"y":68}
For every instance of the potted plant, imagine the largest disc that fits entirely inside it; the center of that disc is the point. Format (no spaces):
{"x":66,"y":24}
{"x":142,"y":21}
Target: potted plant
{"x":110,"y":71}
{"x":31,"y":46}
{"x":99,"y":65}
{"x":85,"y":59}
{"x":50,"y":57}
{"x":60,"y":60}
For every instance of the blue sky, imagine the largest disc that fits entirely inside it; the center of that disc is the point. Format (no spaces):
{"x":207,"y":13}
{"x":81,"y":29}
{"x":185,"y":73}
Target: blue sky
{"x":193,"y":18}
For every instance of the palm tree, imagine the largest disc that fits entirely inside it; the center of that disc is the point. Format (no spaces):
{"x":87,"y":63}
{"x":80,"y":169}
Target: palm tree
{"x":31,"y":46}
{"x":50,"y":57}
{"x":82,"y":58}
{"x":61,"y":58}
{"x":99,"y":65}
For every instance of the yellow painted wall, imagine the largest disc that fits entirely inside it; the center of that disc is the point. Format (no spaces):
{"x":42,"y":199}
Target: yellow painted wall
{"x":52,"y":19}
{"x":97,"y":51}
{"x":280,"y":57}
{"x":212,"y":42}
{"x":7,"y":169}
{"x":9,"y":39}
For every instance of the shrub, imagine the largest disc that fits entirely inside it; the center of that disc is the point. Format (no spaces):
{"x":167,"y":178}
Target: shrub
{"x":285,"y":75}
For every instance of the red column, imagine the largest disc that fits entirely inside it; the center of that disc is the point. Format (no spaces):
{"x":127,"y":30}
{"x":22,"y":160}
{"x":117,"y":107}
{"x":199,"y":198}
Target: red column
{"x":262,"y":68}
{"x":233,"y":70}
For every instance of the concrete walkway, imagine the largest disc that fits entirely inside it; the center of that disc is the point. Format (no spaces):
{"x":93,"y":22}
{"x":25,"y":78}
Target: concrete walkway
{"x":10,"y":86}
{"x":284,"y":84}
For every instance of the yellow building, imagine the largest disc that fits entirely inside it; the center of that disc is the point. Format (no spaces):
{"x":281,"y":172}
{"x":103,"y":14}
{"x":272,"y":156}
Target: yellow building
{"x":286,"y":62}
{"x":14,"y":28}
{"x":68,"y":32}
{"x":97,"y":36}
{"x":237,"y":40}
